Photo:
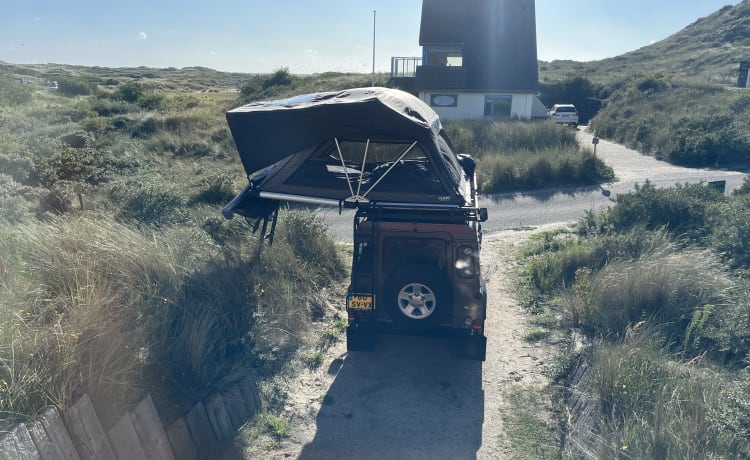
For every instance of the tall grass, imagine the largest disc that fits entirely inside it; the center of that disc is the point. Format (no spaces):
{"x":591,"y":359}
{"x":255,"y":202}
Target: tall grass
{"x":653,"y":407}
{"x":669,"y":317}
{"x":75,"y":300}
{"x":673,"y":290}
{"x":91,"y":305}
{"x":517,"y":156}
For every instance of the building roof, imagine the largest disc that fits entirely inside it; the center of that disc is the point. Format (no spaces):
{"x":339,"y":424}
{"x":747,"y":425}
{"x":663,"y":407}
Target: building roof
{"x":444,"y":21}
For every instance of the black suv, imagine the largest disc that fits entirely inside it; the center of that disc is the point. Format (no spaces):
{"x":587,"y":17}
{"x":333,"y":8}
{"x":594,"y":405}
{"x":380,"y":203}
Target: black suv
{"x":417,"y":226}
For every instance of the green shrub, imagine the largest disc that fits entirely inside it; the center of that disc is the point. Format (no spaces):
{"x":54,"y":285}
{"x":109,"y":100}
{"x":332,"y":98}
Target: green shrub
{"x":153,"y":201}
{"x":653,"y":407}
{"x":267,"y":86}
{"x":682,"y":210}
{"x":215,"y":189}
{"x":135,"y":93}
{"x":15,"y":204}
{"x":78,"y":165}
{"x":307,"y":236}
{"x":106,"y":107}
{"x":129,"y":92}
{"x":70,"y":86}
{"x":555,"y":260}
{"x":12,"y":92}
{"x":280,"y":77}
{"x":526,"y":155}
{"x":664,"y":288}
{"x":16,"y":160}
{"x":684,"y":123}
{"x":729,"y":226}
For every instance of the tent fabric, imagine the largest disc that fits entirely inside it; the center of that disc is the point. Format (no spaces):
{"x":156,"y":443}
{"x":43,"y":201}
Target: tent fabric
{"x":294,"y":147}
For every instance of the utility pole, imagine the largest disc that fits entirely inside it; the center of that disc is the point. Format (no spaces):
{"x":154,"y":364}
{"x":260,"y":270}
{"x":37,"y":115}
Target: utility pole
{"x":374,"y":13}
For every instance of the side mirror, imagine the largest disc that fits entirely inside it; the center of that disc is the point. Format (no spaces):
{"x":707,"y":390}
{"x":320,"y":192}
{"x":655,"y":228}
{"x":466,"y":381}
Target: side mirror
{"x":483,"y":215}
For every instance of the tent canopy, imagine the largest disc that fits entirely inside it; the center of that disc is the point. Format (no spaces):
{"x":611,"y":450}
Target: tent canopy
{"x":359,"y":145}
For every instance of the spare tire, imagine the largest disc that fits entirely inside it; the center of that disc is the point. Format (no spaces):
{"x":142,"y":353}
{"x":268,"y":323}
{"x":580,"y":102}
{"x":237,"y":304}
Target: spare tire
{"x":418,"y":295}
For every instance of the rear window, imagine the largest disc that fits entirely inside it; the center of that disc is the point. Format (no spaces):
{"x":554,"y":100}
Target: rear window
{"x":406,"y":251}
{"x":566,"y":110}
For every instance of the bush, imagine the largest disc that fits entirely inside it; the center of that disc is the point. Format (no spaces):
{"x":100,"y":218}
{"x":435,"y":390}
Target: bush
{"x":653,"y":407}
{"x":557,"y":260}
{"x":682,"y":210}
{"x":684,"y":123}
{"x":307,"y":236}
{"x":86,"y":166}
{"x":215,"y":189}
{"x":135,"y":93}
{"x":266,"y":86}
{"x":526,"y":156}
{"x":154,"y":201}
{"x":729,"y":226}
{"x":675,"y":292}
{"x":15,"y":205}
{"x":129,"y":92}
{"x":91,"y":305}
{"x":69,"y":86}
{"x":12,"y":92}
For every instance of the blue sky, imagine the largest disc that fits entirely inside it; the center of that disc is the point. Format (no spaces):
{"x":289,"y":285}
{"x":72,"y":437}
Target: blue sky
{"x":305,"y":36}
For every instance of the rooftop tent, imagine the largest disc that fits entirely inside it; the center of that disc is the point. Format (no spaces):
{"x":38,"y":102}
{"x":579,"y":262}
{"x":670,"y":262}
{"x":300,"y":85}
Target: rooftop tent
{"x":356,"y":146}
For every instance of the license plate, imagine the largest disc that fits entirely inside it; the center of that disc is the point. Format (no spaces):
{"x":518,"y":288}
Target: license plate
{"x":359,"y":302}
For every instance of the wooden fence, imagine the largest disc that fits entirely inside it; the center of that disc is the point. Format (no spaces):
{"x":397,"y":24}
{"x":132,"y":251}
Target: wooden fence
{"x":77,"y":434}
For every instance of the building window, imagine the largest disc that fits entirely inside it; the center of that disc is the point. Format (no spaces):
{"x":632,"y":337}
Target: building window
{"x":443,"y":57}
{"x":444,"y":100}
{"x":497,"y":106}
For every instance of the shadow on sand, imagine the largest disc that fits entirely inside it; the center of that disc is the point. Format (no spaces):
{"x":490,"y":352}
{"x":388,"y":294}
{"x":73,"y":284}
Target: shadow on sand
{"x":409,"y":399}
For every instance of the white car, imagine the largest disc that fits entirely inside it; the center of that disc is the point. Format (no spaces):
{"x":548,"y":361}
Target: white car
{"x":565,"y":114}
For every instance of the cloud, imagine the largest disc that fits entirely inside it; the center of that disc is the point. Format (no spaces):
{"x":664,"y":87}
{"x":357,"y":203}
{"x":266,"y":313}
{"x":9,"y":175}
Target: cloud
{"x":142,"y":36}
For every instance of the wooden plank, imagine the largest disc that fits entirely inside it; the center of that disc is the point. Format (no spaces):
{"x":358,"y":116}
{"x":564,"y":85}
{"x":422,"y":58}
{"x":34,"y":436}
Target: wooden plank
{"x":86,"y":431}
{"x":219,"y":416}
{"x":151,"y":431}
{"x":238,"y":411}
{"x":182,"y":444}
{"x":44,"y":445}
{"x":125,"y":440}
{"x":18,"y":445}
{"x":201,"y":431}
{"x":57,"y":432}
{"x":250,"y":394}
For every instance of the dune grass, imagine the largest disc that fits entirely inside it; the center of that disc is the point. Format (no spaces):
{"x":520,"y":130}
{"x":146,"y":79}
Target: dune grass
{"x":664,"y":301}
{"x":522,"y":156}
{"x":88,"y":304}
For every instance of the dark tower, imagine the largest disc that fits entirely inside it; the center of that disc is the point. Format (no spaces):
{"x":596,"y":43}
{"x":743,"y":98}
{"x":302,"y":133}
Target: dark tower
{"x":494,"y":41}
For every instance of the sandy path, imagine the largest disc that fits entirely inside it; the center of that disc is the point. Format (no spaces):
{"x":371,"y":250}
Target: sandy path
{"x":411,"y":398}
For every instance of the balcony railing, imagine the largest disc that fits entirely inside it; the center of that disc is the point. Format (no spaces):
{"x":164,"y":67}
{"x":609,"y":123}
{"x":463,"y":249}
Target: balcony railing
{"x":404,"y":67}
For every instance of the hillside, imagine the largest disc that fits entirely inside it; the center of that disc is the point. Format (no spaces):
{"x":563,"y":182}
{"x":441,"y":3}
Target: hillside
{"x":708,"y":50}
{"x":184,"y":79}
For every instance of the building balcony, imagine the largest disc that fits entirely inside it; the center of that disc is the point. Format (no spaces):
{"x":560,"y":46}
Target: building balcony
{"x":443,"y":77}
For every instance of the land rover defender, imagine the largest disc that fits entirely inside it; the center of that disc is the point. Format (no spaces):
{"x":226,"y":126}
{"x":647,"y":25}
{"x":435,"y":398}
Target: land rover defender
{"x":417,"y":225}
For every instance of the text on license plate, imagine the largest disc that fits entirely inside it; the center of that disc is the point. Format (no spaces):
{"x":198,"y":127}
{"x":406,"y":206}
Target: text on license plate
{"x":359,"y":302}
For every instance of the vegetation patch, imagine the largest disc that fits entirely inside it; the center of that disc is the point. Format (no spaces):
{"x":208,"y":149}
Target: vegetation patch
{"x":654,"y":286}
{"x":519,"y":156}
